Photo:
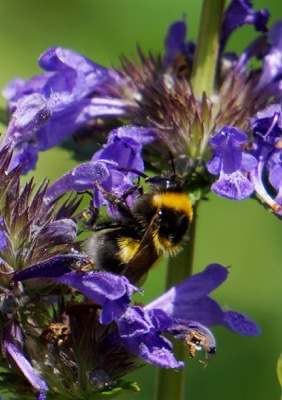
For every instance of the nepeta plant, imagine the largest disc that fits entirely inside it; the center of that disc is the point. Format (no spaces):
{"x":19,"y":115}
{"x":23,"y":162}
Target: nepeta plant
{"x":68,"y":329}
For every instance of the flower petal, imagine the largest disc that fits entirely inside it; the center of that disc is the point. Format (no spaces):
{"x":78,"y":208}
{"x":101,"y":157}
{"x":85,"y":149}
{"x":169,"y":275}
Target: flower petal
{"x":233,"y":186}
{"x":240,"y":323}
{"x":193,"y":288}
{"x":238,"y":13}
{"x":51,"y":268}
{"x":80,"y":178}
{"x":31,"y":114}
{"x":110,"y":291}
{"x":27,"y":369}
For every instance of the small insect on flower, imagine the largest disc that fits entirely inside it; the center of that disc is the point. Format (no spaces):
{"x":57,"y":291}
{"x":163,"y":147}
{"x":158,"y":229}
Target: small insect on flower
{"x":156,"y":224}
{"x":56,"y":332}
{"x":197,"y":340}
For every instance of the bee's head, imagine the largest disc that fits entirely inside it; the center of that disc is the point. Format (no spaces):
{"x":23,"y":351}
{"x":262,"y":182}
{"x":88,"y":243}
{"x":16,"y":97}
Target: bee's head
{"x":172,"y":183}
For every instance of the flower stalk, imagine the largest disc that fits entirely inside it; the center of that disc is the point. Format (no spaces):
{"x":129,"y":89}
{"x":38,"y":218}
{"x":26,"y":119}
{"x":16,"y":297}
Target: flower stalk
{"x":204,"y":66}
{"x":170,"y":384}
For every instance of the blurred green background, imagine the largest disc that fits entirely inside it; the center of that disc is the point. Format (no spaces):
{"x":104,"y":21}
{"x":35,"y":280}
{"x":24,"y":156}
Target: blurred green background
{"x":240,"y":234}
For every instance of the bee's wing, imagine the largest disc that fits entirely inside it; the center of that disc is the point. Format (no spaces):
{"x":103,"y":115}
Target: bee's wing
{"x":145,"y":257}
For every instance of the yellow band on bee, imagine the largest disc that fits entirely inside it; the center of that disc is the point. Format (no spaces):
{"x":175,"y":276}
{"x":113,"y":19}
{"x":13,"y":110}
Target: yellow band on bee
{"x":174,"y":200}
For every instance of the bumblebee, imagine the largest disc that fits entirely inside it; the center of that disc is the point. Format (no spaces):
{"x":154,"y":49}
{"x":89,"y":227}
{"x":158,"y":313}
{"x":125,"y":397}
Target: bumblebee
{"x":156,"y":224}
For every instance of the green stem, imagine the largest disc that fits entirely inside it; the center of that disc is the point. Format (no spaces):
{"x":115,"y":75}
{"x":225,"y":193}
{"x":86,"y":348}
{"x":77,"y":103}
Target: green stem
{"x":205,"y":64}
{"x":170,"y":383}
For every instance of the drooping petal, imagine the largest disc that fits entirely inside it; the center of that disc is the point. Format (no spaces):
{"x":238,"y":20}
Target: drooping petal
{"x":12,"y":347}
{"x":233,"y":186}
{"x":240,"y":323}
{"x":38,"y":383}
{"x":204,"y":310}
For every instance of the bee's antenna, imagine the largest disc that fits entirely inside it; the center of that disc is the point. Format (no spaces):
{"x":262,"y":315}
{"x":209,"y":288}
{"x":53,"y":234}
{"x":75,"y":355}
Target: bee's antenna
{"x":134,"y":171}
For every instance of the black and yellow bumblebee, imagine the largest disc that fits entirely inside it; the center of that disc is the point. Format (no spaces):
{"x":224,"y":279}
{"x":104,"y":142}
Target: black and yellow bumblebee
{"x":156,"y":224}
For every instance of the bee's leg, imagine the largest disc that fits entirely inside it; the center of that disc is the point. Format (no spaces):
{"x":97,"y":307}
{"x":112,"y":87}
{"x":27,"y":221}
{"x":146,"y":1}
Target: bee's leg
{"x":86,"y":218}
{"x":118,"y":202}
{"x":107,"y":225}
{"x":131,"y":190}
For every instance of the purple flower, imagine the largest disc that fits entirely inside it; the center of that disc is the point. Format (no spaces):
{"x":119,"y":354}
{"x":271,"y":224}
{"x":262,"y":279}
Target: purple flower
{"x":190,"y":301}
{"x":231,"y":163}
{"x":176,"y":49}
{"x":182,"y":310}
{"x":30,"y":234}
{"x":141,"y":332}
{"x":246,"y":166}
{"x":267,"y":132}
{"x":123,"y":150}
{"x":270,"y":78}
{"x":238,"y":13}
{"x":111,"y":291}
{"x":31,"y":115}
{"x":66,"y":88}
